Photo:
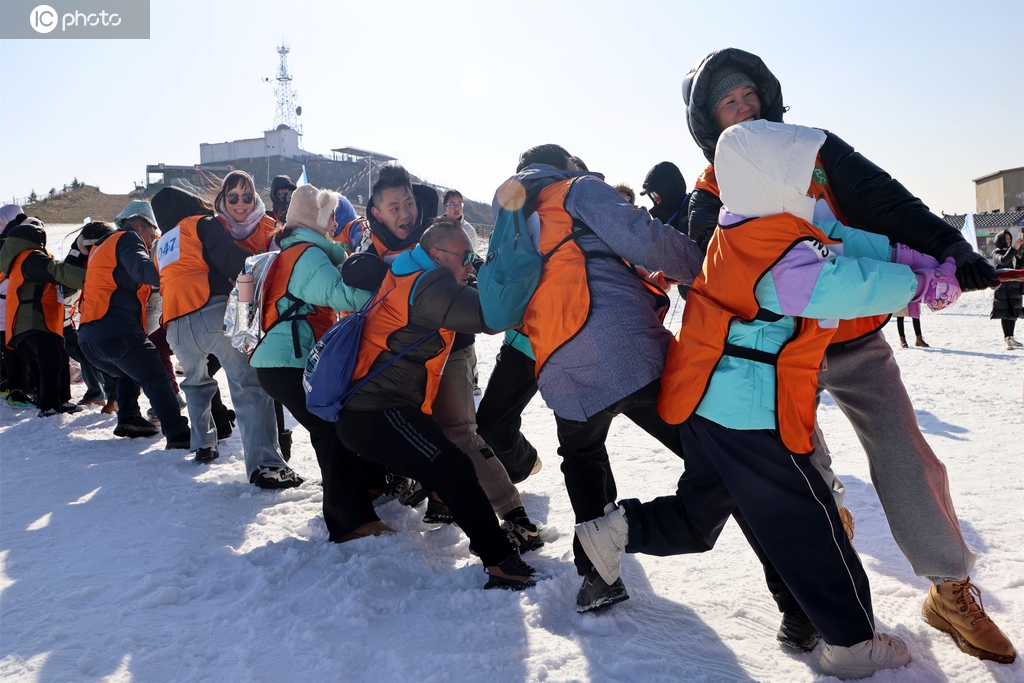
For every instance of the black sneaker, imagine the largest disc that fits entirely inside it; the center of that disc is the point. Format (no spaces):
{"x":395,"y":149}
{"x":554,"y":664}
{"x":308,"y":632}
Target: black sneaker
{"x":595,"y":594}
{"x":797,"y":631}
{"x":207,"y":454}
{"x":523,"y":533}
{"x":275,"y":477}
{"x":437,"y":513}
{"x":135,"y":426}
{"x":68,"y":408}
{"x":510,"y":574}
{"x":225,"y":421}
{"x":182,"y":439}
{"x":284,"y":440}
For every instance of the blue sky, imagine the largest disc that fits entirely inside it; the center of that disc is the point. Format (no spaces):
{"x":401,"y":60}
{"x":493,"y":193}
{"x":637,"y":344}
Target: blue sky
{"x":931,"y":91}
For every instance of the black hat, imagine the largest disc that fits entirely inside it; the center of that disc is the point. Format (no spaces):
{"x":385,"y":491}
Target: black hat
{"x":281,"y":181}
{"x":665,"y":179}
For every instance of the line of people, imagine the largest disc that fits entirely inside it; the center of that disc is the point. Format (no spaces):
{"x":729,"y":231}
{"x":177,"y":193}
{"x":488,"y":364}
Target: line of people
{"x":797,"y":249}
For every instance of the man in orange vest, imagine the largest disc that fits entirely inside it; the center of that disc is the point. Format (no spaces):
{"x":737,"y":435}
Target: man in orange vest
{"x":34,"y":317}
{"x":861,"y":375}
{"x":112,"y":332}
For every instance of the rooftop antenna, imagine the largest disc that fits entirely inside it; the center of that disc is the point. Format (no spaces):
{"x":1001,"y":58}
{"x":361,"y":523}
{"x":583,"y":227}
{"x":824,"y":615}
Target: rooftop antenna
{"x":287,"y":113}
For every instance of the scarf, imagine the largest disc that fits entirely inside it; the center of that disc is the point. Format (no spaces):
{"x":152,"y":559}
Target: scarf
{"x":240,"y":231}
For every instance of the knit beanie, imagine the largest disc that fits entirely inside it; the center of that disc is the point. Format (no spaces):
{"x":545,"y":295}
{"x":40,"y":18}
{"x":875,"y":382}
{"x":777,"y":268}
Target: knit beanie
{"x":8,"y":213}
{"x":311,"y":208}
{"x":725,"y":80}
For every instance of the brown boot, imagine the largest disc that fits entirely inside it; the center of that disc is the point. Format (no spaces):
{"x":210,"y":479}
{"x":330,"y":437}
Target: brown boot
{"x":903,"y":342}
{"x":848,"y":522}
{"x":921,"y":342}
{"x":375,"y":528}
{"x":955,"y":607}
{"x":110,"y":408}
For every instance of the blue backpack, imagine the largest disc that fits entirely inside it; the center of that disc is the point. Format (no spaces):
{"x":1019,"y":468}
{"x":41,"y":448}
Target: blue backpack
{"x":332,"y":362}
{"x":510,"y":274}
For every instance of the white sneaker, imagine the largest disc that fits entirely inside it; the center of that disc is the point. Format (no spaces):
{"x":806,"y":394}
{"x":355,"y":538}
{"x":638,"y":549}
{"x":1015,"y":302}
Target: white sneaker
{"x":604,"y":539}
{"x":863,"y":659}
{"x":1012,"y":343}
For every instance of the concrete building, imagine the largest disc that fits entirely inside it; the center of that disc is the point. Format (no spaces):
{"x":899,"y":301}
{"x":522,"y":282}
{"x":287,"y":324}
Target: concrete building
{"x":1000,"y":192}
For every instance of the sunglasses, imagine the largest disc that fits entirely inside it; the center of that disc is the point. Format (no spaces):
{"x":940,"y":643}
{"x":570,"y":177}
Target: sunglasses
{"x":282,"y":195}
{"x":246,"y":198}
{"x":453,"y":205}
{"x":467,"y":258}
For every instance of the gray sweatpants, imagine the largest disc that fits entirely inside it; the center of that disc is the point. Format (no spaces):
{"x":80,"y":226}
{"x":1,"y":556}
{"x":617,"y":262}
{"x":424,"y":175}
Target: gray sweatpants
{"x":911,"y":482}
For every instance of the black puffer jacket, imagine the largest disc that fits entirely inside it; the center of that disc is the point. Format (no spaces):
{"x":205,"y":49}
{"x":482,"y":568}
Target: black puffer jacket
{"x":869,"y":197}
{"x":1008,"y":299}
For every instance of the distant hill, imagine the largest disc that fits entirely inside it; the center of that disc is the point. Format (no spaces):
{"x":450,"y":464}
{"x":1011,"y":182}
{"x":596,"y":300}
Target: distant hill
{"x":74,"y":206}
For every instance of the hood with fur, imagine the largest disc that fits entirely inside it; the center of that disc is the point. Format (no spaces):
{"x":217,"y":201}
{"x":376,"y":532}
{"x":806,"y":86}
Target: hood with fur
{"x":764,"y":168}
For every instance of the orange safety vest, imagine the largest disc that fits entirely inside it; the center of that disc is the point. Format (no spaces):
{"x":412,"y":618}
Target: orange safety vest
{"x":100,"y":285}
{"x":259,"y":241}
{"x":276,"y":288}
{"x":51,"y":305}
{"x":738,"y":257}
{"x":389,"y":316}
{"x":344,"y":236}
{"x":560,"y":305}
{"x":849,"y":330}
{"x":184,"y":273}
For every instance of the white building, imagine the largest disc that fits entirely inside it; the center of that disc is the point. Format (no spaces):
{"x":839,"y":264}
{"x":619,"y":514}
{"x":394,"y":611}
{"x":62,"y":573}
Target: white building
{"x":283,"y":142}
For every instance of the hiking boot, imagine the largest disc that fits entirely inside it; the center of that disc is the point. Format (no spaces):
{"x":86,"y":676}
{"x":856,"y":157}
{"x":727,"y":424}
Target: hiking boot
{"x":110,"y":408}
{"x":275,"y":477}
{"x":955,"y":607}
{"x":797,"y":631}
{"x":134,"y":426}
{"x":224,"y":420}
{"x":284,"y":440}
{"x":69,"y":408}
{"x":865,"y":658}
{"x":604,"y":539}
{"x":437,"y":513}
{"x":92,"y":402}
{"x":595,"y":594}
{"x":921,"y":342}
{"x":374,"y":528}
{"x":182,"y":439}
{"x":207,"y":454}
{"x":848,"y":522}
{"x":511,"y":574}
{"x":523,"y":533}
{"x":19,"y":399}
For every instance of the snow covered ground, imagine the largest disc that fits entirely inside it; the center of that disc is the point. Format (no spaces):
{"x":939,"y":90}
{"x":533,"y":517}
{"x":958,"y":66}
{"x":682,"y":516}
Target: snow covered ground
{"x":122,"y":561}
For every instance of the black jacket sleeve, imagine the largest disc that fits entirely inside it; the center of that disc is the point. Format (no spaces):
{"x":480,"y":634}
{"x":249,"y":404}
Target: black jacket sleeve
{"x":703,"y":217}
{"x":873,"y":201}
{"x":220,"y":251}
{"x":133,"y":257}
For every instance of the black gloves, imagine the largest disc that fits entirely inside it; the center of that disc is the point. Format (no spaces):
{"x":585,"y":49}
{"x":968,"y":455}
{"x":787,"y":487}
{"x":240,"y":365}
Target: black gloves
{"x":364,"y":271}
{"x":973,"y":271}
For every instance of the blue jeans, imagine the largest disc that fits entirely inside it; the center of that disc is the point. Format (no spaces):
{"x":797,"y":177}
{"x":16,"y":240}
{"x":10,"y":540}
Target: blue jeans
{"x":135,"y":362}
{"x":193,"y":337}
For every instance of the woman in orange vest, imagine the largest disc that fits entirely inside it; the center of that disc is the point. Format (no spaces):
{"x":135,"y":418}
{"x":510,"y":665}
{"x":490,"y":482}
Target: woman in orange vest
{"x":303,"y":287}
{"x":198,"y":259}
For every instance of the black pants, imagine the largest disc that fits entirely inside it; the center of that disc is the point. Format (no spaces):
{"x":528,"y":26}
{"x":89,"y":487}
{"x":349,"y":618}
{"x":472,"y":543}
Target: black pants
{"x":790,"y":510}
{"x":15,"y":368}
{"x":917,"y":326}
{"x":1008,"y":325}
{"x":499,"y":418}
{"x":346,"y":501}
{"x":409,"y":442}
{"x":46,"y":349}
{"x":134,"y":360}
{"x":100,"y":384}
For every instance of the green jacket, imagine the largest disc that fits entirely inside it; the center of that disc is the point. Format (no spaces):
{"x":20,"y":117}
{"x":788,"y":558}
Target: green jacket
{"x":316,"y":280}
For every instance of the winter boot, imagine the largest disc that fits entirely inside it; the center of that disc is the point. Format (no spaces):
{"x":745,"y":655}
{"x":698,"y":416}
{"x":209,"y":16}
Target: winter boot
{"x":92,"y":402}
{"x":955,"y":607}
{"x":1012,"y":343}
{"x":521,"y":531}
{"x":437,"y":513}
{"x":134,"y":426}
{"x":284,"y":439}
{"x":275,"y":477}
{"x":511,"y":574}
{"x":182,"y":439}
{"x":921,"y":342}
{"x":110,"y":408}
{"x":865,"y":658}
{"x":374,"y":528}
{"x":207,"y":454}
{"x":903,"y":342}
{"x":68,"y":408}
{"x":797,"y":631}
{"x":225,"y":420}
{"x":848,"y":522}
{"x":595,"y":594}
{"x":604,"y":539}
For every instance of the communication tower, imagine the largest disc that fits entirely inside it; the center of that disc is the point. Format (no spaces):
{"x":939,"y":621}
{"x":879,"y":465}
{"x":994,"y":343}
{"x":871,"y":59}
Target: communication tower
{"x":287,"y":113}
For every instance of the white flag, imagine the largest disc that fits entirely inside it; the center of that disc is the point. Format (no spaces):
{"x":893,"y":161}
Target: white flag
{"x":303,"y":181}
{"x":968,"y":231}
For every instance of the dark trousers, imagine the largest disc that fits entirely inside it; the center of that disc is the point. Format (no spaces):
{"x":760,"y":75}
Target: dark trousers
{"x":14,"y":368}
{"x":499,"y":418}
{"x":46,"y":349}
{"x":585,"y":466}
{"x":1008,"y":326}
{"x":409,"y":442}
{"x":135,"y":362}
{"x":899,"y":326}
{"x":346,"y":501}
{"x":99,"y":385}
{"x":790,"y":511}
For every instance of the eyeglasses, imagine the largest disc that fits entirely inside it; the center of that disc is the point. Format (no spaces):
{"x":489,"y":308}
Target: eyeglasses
{"x":246,"y":198}
{"x":453,"y":205}
{"x":467,"y":258}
